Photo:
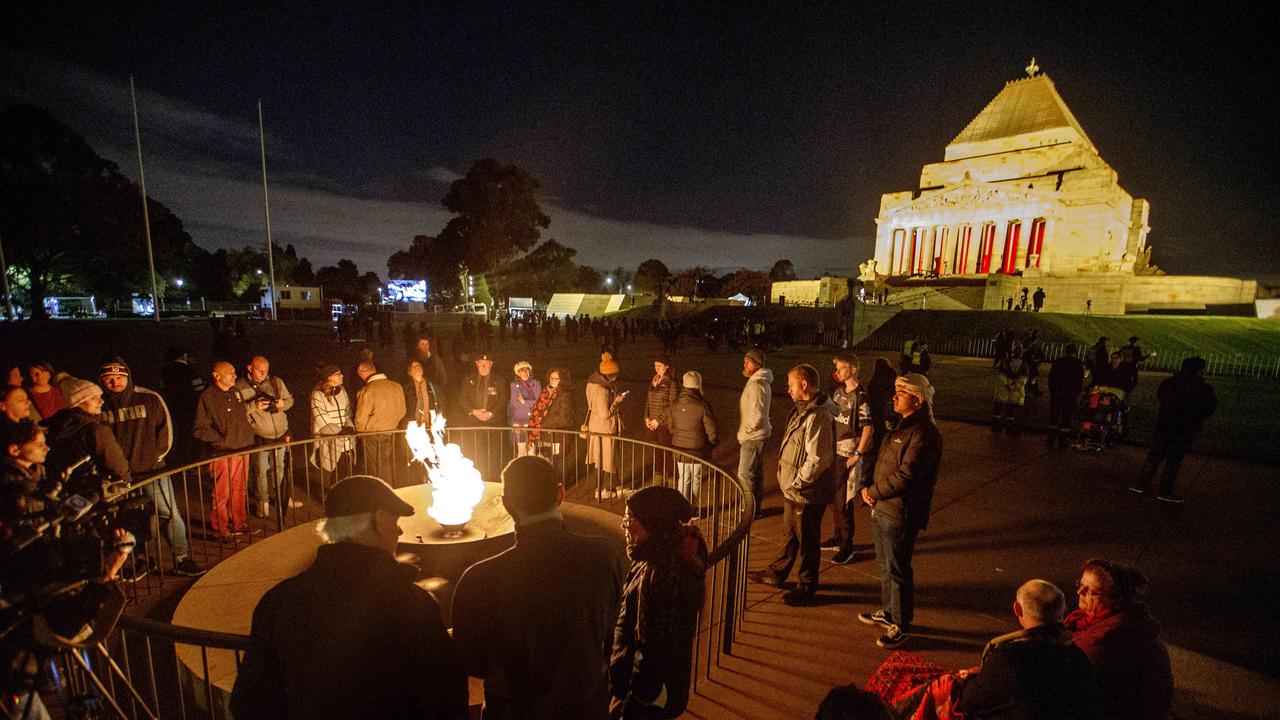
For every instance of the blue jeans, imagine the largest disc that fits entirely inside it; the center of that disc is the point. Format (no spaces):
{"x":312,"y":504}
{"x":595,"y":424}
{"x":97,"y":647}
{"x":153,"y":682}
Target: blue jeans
{"x":172,"y":527}
{"x":690,"y":480}
{"x":895,"y":542}
{"x":751,"y":468}
{"x":262,"y":462}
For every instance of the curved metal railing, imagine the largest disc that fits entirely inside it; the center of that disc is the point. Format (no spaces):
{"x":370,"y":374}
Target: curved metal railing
{"x":163,"y":681}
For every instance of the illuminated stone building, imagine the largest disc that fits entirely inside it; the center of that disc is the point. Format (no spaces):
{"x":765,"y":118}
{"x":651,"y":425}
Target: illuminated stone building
{"x":1023,"y":198}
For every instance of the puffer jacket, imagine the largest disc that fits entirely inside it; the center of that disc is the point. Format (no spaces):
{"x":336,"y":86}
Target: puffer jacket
{"x":660,"y":398}
{"x":692,"y":423}
{"x":806,"y":458}
{"x":907,"y":470}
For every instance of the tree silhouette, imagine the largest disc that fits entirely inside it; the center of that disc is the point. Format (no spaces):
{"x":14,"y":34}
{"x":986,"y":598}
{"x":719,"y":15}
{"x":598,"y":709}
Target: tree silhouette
{"x":782,"y":270}
{"x":497,"y":215}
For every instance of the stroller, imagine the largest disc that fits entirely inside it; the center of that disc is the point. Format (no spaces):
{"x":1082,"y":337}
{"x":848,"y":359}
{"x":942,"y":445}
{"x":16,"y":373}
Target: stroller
{"x":1101,"y":415}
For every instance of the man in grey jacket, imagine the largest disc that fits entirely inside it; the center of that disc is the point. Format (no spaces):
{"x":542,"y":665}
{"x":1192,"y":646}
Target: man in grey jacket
{"x":806,"y":478}
{"x":753,"y":427}
{"x":900,"y":495}
{"x":268,"y":400}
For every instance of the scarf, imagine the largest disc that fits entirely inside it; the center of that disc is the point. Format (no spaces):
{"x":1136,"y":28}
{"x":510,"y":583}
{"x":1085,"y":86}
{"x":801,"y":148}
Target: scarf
{"x":547,"y":397}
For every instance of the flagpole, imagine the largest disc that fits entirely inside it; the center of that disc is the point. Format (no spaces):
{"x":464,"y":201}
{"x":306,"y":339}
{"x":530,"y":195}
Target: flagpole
{"x":146,"y":216}
{"x":266,"y":207}
{"x":8,"y":296}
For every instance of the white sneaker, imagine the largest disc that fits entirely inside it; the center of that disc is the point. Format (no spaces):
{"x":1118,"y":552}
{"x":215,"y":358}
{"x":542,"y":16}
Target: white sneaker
{"x":294,"y":503}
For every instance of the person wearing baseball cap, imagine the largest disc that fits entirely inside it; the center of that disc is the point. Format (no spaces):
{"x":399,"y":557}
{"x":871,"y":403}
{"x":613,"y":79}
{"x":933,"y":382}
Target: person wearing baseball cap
{"x":352,"y":634}
{"x":900,"y":495}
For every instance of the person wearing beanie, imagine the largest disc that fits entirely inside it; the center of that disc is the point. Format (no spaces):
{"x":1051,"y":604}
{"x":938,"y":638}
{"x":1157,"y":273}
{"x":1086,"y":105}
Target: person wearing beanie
{"x":653,"y":639}
{"x":693,"y":432}
{"x":604,"y":420}
{"x":332,"y":426}
{"x":78,"y":431}
{"x":139,"y":419}
{"x":551,"y":667}
{"x":807,"y":478}
{"x":753,"y":424}
{"x":351,"y":636}
{"x":900,"y":495}
{"x":658,"y":400}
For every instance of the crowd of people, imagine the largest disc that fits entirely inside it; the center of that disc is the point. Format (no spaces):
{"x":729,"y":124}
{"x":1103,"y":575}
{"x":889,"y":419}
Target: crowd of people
{"x":616,"y":643}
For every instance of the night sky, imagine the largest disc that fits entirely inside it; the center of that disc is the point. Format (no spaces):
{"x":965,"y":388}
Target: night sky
{"x":716,"y":135}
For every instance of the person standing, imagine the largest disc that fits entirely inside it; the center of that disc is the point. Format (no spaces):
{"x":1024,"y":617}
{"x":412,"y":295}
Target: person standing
{"x":432,"y":366}
{"x":139,"y":419}
{"x":351,"y":636}
{"x":524,"y":393}
{"x":269,"y":402}
{"x":604,"y":420}
{"x":555,"y":410}
{"x":661,"y":394}
{"x":653,"y":638}
{"x":331,"y":426}
{"x":853,"y":434}
{"x":753,"y":424}
{"x":1186,"y":401}
{"x":554,"y":667}
{"x":379,"y":409}
{"x":419,"y":395}
{"x":807,"y":481}
{"x":1066,"y":381}
{"x":900,"y":494}
{"x":222,"y":424}
{"x":1010,"y":393}
{"x":1037,"y":299}
{"x":181,"y":385}
{"x":693,"y":431}
{"x":483,"y":395}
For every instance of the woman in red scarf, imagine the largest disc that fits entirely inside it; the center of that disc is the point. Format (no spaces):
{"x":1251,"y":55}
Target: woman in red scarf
{"x":554,"y":410}
{"x":1115,"y":629}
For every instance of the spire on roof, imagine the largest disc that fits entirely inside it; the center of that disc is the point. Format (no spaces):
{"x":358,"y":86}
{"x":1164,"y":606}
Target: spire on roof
{"x":1033,"y":68}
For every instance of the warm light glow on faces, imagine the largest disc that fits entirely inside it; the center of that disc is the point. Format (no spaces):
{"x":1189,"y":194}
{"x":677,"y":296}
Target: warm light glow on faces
{"x":483,"y":367}
{"x":749,"y":367}
{"x":1094,"y":592}
{"x":224,"y":376}
{"x":904,"y":403}
{"x":115,"y":383}
{"x":415,"y":371}
{"x":635,"y":532}
{"x":39,"y":376}
{"x":844,"y":371}
{"x":553,"y":380}
{"x":524,"y":373}
{"x":17,"y":405}
{"x":259,"y":368}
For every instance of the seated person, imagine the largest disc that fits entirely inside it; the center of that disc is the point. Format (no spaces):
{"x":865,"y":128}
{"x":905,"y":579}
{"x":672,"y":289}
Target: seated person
{"x":1117,"y":378}
{"x":1116,"y":631}
{"x":1035,"y":672}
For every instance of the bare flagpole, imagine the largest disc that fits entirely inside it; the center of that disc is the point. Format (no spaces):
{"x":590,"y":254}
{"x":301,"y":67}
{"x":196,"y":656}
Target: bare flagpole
{"x":146,"y":217}
{"x":266,"y":206}
{"x":4,"y":271}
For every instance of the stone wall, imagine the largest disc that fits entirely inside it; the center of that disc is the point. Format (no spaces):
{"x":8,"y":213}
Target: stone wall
{"x":1117,"y":293}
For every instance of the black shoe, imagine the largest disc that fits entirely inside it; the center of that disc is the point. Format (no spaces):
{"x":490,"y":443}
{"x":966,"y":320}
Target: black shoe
{"x":187,"y":566}
{"x":843,"y":556}
{"x":764,"y":577}
{"x":829,"y":544}
{"x":879,"y":617}
{"x":246,"y":530}
{"x":1172,"y":498}
{"x":800,"y":597}
{"x":893,"y":637}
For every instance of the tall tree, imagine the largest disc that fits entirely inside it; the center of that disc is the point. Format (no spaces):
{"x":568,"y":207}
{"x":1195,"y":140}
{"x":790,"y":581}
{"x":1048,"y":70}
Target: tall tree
{"x":345,"y":281}
{"x":71,"y":222}
{"x":497,"y":215}
{"x":696,"y":282}
{"x":751,"y":283}
{"x":651,"y":277}
{"x":428,"y":259}
{"x":782,"y":270}
{"x":546,"y":270}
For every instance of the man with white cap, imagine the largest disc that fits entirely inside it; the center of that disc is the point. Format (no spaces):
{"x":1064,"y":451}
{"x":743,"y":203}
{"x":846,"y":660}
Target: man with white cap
{"x":351,"y":636}
{"x":753,"y":424}
{"x":900,"y":495}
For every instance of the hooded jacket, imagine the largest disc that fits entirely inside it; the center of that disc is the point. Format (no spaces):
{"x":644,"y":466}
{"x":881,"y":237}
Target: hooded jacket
{"x":692,"y":423}
{"x":753,"y":407}
{"x":74,"y":434}
{"x":139,"y":419}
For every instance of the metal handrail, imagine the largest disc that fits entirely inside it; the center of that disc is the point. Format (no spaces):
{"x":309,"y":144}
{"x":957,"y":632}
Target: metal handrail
{"x":726,"y":510}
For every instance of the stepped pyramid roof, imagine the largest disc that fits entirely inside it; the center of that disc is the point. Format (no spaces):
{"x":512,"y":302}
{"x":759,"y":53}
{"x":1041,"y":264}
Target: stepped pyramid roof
{"x":1029,"y":105}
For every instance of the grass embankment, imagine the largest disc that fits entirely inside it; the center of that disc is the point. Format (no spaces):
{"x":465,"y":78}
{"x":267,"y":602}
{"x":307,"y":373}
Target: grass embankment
{"x":1180,"y":334}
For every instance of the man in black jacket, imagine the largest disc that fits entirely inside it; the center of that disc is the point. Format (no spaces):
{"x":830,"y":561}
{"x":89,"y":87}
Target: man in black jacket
{"x":351,"y":636}
{"x":1066,"y":380}
{"x":1186,"y":401}
{"x":900,"y":495}
{"x":553,"y":667}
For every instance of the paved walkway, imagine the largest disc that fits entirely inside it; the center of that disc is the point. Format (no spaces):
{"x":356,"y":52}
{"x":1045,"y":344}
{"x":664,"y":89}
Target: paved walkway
{"x":1008,"y":509}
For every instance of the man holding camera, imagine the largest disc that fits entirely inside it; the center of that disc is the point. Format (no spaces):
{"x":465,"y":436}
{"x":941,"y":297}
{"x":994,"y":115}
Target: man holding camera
{"x":269,"y":401}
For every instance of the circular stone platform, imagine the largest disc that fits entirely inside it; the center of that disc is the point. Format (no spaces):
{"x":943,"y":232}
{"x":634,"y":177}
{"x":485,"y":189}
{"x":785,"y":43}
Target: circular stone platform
{"x":223,"y":599}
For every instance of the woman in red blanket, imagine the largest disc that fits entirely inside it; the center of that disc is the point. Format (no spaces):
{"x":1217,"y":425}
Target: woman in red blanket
{"x":1116,"y":631}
